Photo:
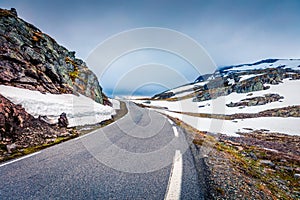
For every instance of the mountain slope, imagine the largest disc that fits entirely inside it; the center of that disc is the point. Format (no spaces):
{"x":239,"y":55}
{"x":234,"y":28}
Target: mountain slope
{"x":248,"y":97}
{"x":33,"y":60}
{"x":45,"y":78}
{"x":240,"y":79}
{"x":44,"y":90}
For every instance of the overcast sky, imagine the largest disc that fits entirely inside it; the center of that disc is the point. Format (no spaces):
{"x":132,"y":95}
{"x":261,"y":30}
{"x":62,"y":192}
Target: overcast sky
{"x":232,"y":32}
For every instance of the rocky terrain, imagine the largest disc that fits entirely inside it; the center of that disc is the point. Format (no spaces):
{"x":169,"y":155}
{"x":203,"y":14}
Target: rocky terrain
{"x":33,"y":60}
{"x":255,"y":101}
{"x":224,"y":82}
{"x":20,"y":132}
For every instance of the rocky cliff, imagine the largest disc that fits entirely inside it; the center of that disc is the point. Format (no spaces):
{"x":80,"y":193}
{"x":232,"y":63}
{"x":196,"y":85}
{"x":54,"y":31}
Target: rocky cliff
{"x":33,"y":60}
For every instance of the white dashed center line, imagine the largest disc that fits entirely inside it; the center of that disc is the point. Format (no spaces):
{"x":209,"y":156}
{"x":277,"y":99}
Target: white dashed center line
{"x":174,"y":185}
{"x":175,"y":131}
{"x":171,"y":122}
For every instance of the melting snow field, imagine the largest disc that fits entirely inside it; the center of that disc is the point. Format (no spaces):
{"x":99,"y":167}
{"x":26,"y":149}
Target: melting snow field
{"x":80,"y":110}
{"x":218,"y":106}
{"x":273,"y":124}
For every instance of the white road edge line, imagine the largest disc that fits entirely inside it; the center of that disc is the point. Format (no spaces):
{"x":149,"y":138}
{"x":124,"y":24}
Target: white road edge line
{"x":175,"y":179}
{"x":16,"y":160}
{"x":175,"y":131}
{"x":171,"y":122}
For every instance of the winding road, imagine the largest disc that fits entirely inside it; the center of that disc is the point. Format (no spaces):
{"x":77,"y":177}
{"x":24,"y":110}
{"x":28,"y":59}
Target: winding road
{"x":141,"y":156}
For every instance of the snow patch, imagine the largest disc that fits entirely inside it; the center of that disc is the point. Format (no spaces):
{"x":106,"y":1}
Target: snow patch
{"x":245,"y":77}
{"x":231,"y":128}
{"x":288,"y":89}
{"x":80,"y":110}
{"x":115,"y":104}
{"x":218,"y":105}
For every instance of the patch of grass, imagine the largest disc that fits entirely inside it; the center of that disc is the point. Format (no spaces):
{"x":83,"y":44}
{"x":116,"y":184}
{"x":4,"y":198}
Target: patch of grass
{"x":22,"y":152}
{"x":269,"y":178}
{"x":57,"y":140}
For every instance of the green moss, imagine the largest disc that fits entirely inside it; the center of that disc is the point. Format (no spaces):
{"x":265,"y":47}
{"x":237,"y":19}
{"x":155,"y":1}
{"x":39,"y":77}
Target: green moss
{"x":75,"y":73}
{"x":29,"y":150}
{"x":253,"y":169}
{"x":59,"y":140}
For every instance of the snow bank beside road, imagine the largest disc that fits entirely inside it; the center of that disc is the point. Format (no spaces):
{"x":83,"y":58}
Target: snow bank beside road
{"x":80,"y":110}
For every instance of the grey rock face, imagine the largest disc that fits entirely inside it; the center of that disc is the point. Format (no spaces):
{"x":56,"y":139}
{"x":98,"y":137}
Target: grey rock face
{"x":33,"y":60}
{"x":221,"y":87}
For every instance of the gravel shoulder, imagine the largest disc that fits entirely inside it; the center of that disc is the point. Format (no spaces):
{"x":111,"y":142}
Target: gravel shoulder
{"x":258,"y":165}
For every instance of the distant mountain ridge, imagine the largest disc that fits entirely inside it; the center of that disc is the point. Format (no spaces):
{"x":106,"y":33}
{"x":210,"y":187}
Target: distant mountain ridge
{"x":267,"y":63}
{"x":242,"y":78}
{"x":33,"y":60}
{"x":271,"y":60}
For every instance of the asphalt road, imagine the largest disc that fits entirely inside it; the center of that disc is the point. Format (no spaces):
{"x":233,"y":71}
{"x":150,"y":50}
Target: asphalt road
{"x":133,"y":158}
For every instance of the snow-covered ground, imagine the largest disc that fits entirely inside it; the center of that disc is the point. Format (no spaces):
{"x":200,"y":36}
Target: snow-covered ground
{"x":273,"y":124}
{"x":245,"y":77}
{"x":218,"y":105}
{"x":181,"y":91}
{"x":115,"y":104}
{"x":187,"y":87}
{"x":182,"y":88}
{"x":80,"y":110}
{"x":289,"y":89}
{"x":131,"y":97}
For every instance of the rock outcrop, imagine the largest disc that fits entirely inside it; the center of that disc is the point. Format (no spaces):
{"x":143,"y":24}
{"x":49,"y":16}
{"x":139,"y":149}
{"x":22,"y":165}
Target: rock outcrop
{"x":63,"y":120}
{"x":33,"y":60}
{"x":256,"y":101}
{"x":19,"y":130}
